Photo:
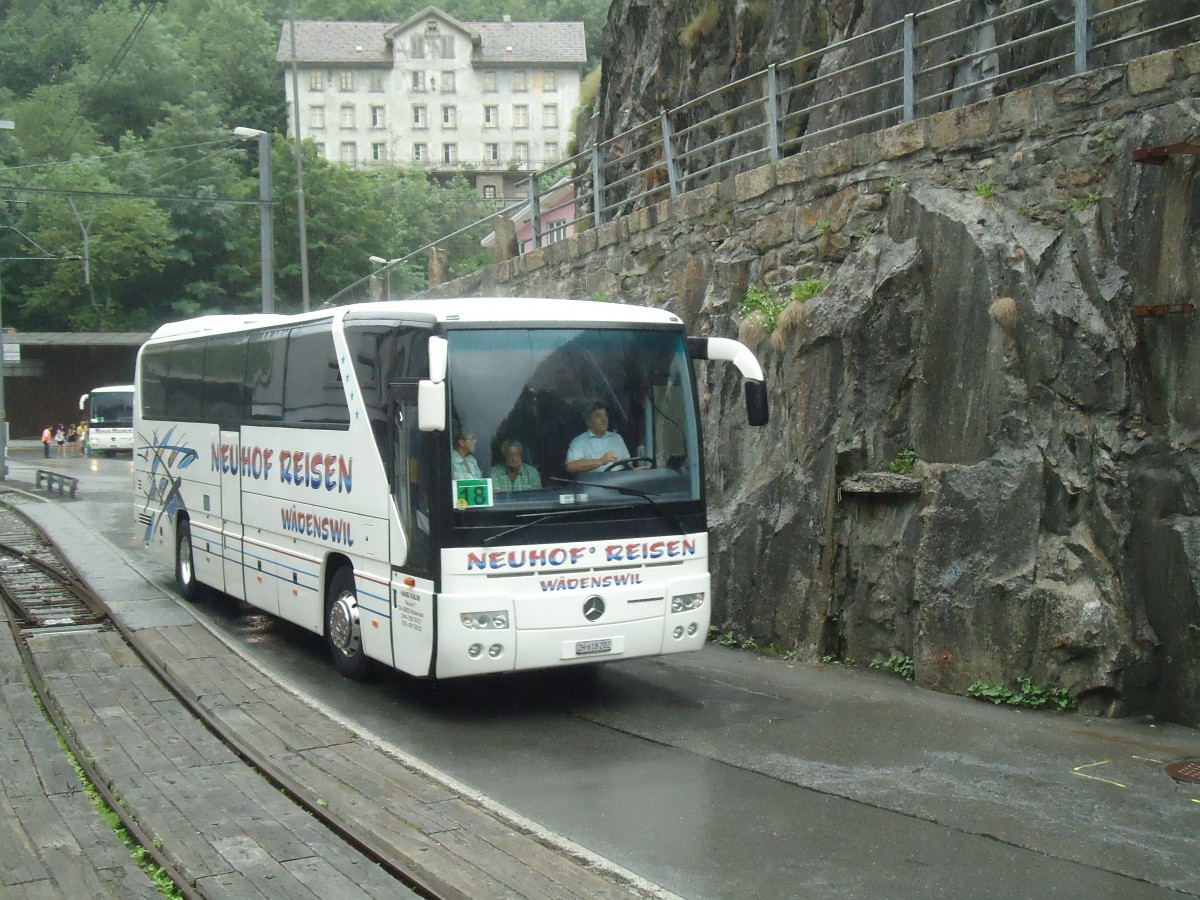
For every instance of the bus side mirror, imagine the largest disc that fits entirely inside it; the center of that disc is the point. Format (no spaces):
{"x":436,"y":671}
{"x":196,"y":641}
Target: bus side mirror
{"x":431,"y":405}
{"x":757,"y":412}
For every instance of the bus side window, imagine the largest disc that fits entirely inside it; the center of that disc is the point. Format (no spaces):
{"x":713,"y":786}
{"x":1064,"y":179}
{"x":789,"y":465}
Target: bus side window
{"x":156,"y":364}
{"x":313,"y":392}
{"x":265,"y":356}
{"x":185,"y":384}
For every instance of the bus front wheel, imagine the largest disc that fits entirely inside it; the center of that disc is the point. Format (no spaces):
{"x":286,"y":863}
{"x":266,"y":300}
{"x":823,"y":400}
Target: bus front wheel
{"x":185,"y":571}
{"x":343,"y":633}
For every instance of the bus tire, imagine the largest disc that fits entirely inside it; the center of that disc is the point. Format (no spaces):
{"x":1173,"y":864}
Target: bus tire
{"x":185,"y":570}
{"x":343,"y":632}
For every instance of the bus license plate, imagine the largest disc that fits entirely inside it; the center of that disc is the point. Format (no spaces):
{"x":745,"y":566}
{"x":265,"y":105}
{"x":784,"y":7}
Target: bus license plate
{"x":587,"y":648}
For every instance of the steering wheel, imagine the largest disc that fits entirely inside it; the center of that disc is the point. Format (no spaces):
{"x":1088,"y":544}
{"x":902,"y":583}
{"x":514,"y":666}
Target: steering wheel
{"x":622,"y":464}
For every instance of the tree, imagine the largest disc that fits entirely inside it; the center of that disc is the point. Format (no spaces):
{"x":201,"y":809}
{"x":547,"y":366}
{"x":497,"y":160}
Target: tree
{"x":128,"y":241}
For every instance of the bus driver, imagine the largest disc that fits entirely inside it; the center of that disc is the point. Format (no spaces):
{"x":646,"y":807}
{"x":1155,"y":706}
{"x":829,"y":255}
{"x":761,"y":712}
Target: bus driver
{"x":597,"y":446}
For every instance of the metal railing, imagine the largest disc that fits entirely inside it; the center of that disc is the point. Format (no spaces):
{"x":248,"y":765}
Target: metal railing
{"x":927,"y":62}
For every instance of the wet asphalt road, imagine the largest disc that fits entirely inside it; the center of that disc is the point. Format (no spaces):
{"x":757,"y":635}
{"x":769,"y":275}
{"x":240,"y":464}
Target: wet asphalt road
{"x":724,"y":774}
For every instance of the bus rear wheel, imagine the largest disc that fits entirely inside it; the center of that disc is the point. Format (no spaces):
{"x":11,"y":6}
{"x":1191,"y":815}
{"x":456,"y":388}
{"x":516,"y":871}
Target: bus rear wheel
{"x":343,"y":633}
{"x":185,"y":570}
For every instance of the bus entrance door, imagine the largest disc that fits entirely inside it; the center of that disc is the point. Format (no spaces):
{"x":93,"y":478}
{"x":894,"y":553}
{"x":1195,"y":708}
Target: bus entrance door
{"x":231,"y":518}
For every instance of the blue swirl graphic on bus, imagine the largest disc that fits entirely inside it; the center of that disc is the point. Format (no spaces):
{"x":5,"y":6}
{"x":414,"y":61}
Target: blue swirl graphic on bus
{"x":163,"y":495}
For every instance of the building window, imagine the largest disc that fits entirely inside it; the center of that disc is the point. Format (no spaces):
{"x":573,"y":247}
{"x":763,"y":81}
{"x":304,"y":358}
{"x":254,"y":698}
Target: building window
{"x":316,"y":117}
{"x":316,"y":81}
{"x":448,"y":83}
{"x":349,"y":151}
{"x":489,"y":80}
{"x":491,"y":153}
{"x":449,"y":117}
{"x":550,"y":116}
{"x":420,"y":118}
{"x":520,"y":80}
{"x":418,"y":82}
{"x":420,"y":152}
{"x":378,"y":119}
{"x":550,"y":152}
{"x":520,"y":117}
{"x":345,"y":80}
{"x":491,"y":117}
{"x":346,"y":118}
{"x":489,"y":192}
{"x":449,"y":154}
{"x":379,"y":152}
{"x":521,"y":152}
{"x":320,"y":150}
{"x":432,"y":44}
{"x":376,"y":82}
{"x":549,"y":80}
{"x":553,"y":231}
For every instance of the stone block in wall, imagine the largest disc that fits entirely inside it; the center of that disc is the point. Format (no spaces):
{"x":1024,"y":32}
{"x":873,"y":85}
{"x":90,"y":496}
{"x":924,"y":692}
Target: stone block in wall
{"x":901,"y":140}
{"x":1151,"y":73}
{"x":832,"y":159}
{"x":755,"y":183}
{"x":1016,"y":110}
{"x":533,"y":260}
{"x":1084,"y":92}
{"x":1189,"y":59}
{"x":964,"y":125}
{"x":791,"y":170}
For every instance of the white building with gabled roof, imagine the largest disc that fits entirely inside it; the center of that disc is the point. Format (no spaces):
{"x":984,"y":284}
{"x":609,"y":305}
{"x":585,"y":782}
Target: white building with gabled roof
{"x":492,"y":100}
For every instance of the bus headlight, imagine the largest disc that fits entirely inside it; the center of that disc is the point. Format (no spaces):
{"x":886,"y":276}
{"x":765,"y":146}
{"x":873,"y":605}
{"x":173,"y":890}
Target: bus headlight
{"x":479,"y":621}
{"x":685,"y":602}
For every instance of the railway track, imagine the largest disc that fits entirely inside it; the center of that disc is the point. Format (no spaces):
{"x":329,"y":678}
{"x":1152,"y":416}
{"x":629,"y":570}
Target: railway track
{"x":236,"y":787}
{"x":48,"y":598}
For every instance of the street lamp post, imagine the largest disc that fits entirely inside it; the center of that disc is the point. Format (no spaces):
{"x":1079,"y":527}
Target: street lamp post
{"x":266,"y":236}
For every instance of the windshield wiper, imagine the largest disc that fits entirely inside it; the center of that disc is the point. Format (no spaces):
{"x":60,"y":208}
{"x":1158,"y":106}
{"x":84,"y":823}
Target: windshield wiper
{"x":630,"y":492}
{"x":544,"y":517}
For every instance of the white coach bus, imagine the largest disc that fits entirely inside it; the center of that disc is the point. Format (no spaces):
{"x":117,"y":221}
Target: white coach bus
{"x":395,"y":476}
{"x":109,"y":414}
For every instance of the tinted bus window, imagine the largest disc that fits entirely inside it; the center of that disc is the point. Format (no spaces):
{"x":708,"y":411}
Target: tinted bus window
{"x":185,"y":384}
{"x":313,"y":392}
{"x":265,"y":358}
{"x":224,"y":381}
{"x":156,"y":363}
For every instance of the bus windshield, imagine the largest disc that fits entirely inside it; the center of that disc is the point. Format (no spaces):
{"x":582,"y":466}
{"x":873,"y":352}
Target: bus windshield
{"x":111,"y":409}
{"x":543,"y":419}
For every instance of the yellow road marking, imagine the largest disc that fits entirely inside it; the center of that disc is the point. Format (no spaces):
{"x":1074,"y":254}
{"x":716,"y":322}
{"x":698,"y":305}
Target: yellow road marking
{"x":1148,"y":759}
{"x":1095,"y":777}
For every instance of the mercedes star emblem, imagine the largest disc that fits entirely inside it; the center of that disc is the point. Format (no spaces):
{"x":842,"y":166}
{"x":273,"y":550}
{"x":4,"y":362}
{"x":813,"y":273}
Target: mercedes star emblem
{"x":593,"y":608}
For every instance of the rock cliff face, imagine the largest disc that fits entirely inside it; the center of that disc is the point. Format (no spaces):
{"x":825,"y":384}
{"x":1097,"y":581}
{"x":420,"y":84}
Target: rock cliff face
{"x":986,"y":274}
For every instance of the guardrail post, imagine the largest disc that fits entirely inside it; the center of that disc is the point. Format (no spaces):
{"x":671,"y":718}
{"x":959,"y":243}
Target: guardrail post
{"x":773,"y":113}
{"x":910,"y":68}
{"x":535,"y":212}
{"x":1082,"y":37}
{"x":669,"y":155}
{"x":597,"y":188}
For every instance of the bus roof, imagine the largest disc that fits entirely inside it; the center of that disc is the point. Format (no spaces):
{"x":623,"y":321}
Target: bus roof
{"x":112,"y":389}
{"x":474,"y":310}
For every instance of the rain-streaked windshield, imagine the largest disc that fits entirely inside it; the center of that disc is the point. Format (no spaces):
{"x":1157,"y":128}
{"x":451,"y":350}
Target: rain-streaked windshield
{"x":554,"y":418}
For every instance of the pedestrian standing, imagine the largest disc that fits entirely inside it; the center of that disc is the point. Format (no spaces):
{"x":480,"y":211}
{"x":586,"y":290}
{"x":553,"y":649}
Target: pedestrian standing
{"x":60,"y":439}
{"x":47,"y":437}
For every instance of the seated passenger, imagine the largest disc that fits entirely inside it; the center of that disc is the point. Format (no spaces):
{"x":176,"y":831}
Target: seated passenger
{"x":597,"y":446}
{"x":462,"y":463}
{"x":513,"y":474}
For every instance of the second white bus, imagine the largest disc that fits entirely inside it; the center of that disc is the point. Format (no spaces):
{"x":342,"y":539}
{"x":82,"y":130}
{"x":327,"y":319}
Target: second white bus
{"x":307,"y":465}
{"x":108,"y":412}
